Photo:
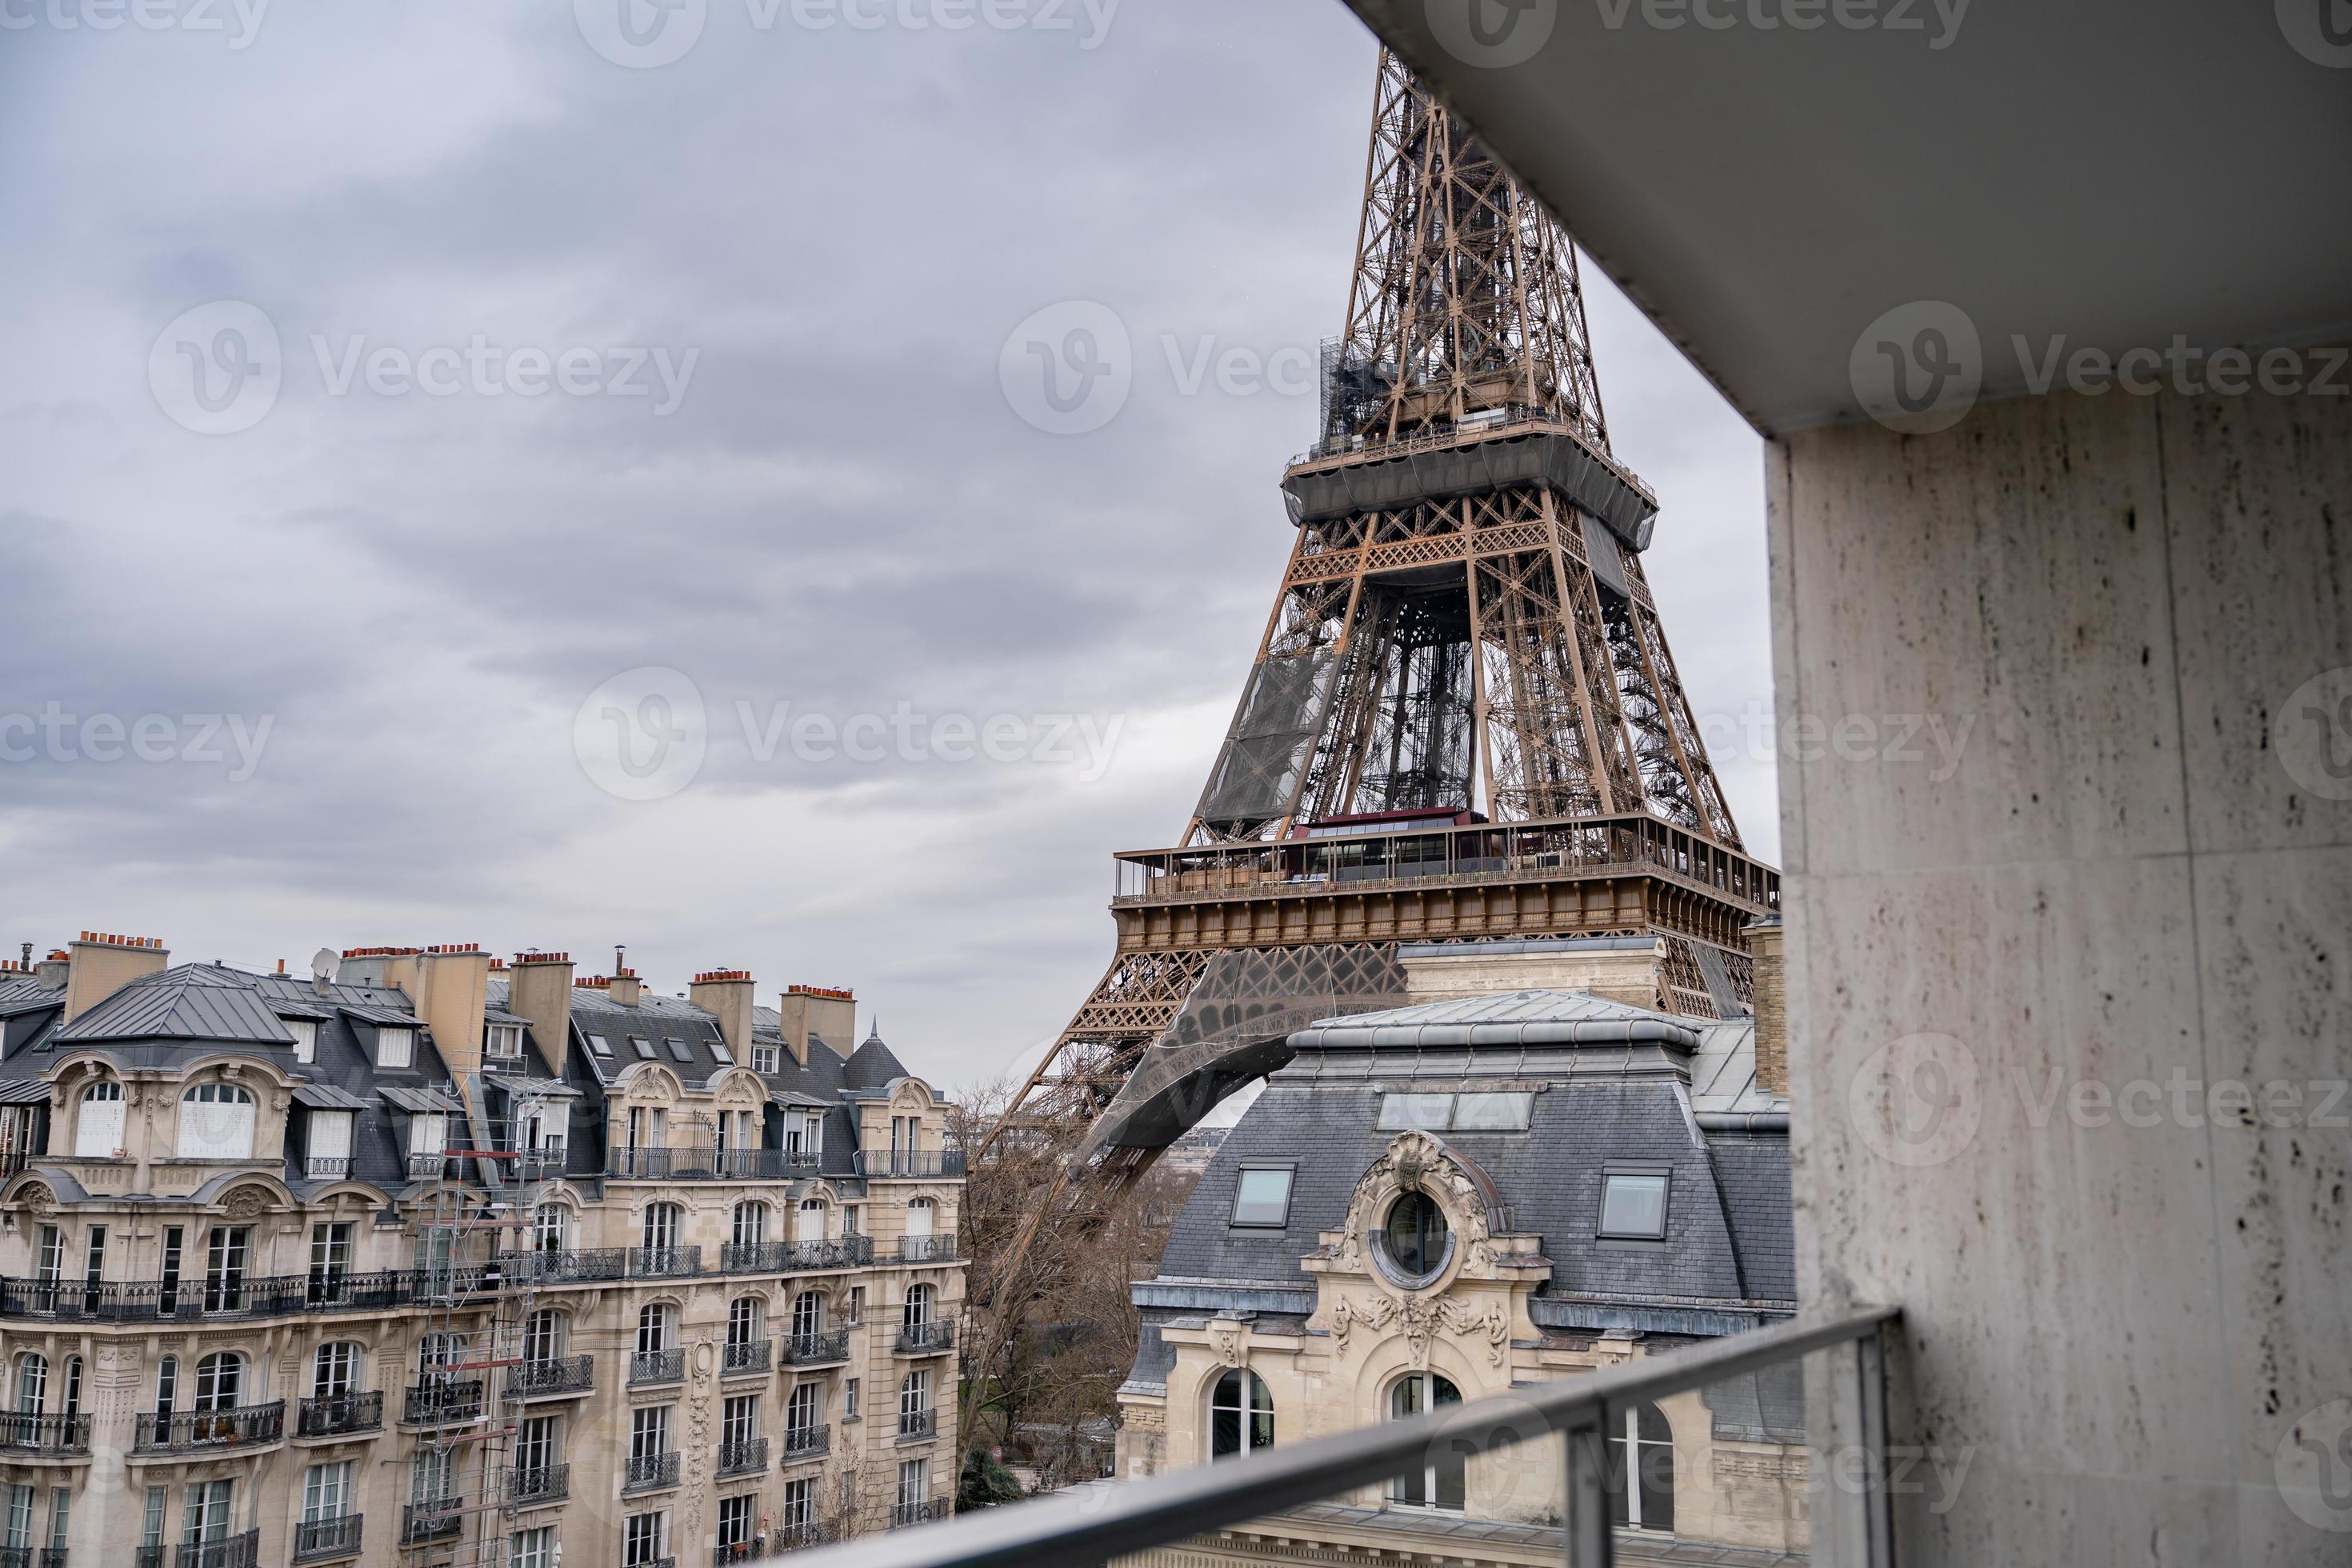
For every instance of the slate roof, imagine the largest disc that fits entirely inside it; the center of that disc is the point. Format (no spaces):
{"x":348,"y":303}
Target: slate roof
{"x":873,"y":1066}
{"x":1611,"y":1083}
{"x":186,"y":1004}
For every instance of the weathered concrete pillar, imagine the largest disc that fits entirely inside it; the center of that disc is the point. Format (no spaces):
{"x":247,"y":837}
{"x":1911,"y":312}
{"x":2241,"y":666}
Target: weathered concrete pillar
{"x":2065,"y":695}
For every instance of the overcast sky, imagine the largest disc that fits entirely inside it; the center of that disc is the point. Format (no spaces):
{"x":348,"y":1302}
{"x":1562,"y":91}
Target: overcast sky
{"x":586,"y":366}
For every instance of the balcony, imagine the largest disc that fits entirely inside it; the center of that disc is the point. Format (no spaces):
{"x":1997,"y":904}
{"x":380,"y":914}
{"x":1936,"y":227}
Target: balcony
{"x":558,"y":1265}
{"x":815,"y":1349}
{"x":846,"y":1252}
{"x":32,"y":1557}
{"x":228,"y":1296}
{"x":807,"y":1442}
{"x":926,"y":1249}
{"x":563,"y":1378}
{"x":152,"y":1556}
{"x":324,"y":1538}
{"x":657,"y":1366}
{"x":234,"y":1551}
{"x":665,"y":1262}
{"x":51,"y":1435}
{"x":925,"y":1338}
{"x":436,"y":1519}
{"x":747,"y":1359}
{"x":442,"y":1402}
{"x":922,"y":1164}
{"x":528,"y":1487}
{"x":339,"y":1415}
{"x":918,"y":1425}
{"x":202,"y":1431}
{"x":650,"y":1472}
{"x":783,"y":1539}
{"x":426,"y":1167}
{"x":905,"y":1513}
{"x":744,"y":1456}
{"x":326,"y":1167}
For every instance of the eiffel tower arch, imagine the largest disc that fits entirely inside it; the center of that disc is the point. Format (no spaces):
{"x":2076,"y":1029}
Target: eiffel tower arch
{"x":1464,"y":726}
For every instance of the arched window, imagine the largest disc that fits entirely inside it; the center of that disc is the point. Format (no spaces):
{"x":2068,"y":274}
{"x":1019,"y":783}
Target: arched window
{"x":1415,"y":1235}
{"x":744,"y":1317}
{"x":439,"y":1352}
{"x":808,"y":1314}
{"x":1438,"y":1482}
{"x":921,"y":1298}
{"x":98,"y":1125}
{"x":335,"y":1371}
{"x":32,"y":1384}
{"x":1241,"y":1415}
{"x":550,"y":1227}
{"x":750,"y":1222}
{"x":808,"y":1224}
{"x":663,"y":1223}
{"x":922,"y":1217}
{"x":215,"y":1124}
{"x":220,"y":1382}
{"x":655,"y":1325}
{"x":542,"y":1336}
{"x":1641,"y":1470}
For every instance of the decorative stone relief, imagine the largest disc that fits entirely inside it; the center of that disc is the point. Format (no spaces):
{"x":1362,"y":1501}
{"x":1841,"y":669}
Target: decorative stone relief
{"x":1226,"y":1342}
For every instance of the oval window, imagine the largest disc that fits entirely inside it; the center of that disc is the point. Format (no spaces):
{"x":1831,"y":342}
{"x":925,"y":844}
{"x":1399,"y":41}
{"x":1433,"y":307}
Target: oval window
{"x":1416,"y":1235}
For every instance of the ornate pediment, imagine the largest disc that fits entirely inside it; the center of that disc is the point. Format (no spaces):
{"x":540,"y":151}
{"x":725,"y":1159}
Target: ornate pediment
{"x":1481,"y":1249}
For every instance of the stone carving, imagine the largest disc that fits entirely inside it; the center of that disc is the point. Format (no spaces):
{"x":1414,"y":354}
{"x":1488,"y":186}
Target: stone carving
{"x":1420,"y":1318}
{"x":245,"y":1202}
{"x":1226,"y":1342}
{"x":38,"y":1201}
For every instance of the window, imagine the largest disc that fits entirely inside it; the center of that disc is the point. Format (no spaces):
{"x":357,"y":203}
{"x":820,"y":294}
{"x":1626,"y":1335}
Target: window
{"x":220,"y":1382}
{"x":849,"y":1400}
{"x":532,"y":1548}
{"x":329,"y":1155}
{"x":856,"y":1305}
{"x":804,"y":1408}
{"x":428,"y":1137}
{"x":1241,"y":1415}
{"x":601,"y":1045}
{"x":437,"y":1352}
{"x":60,"y":1519}
{"x":920,"y":1301}
{"x":228,"y":1250}
{"x":539,"y":1444}
{"x":543,"y":1335}
{"x":649,"y":1431}
{"x":550,"y":1227}
{"x":1262,"y":1197}
{"x":1642,"y":1449}
{"x":93,"y":1268}
{"x":1633,"y":1206}
{"x":204,"y":1512}
{"x":914,"y":1397}
{"x":71,"y":1404}
{"x":168,"y":1289}
{"x":743,"y":1316}
{"x":20,"y":1518}
{"x":394,"y":1048}
{"x":433,"y":1476}
{"x":32,"y":1384}
{"x":215,"y":1124}
{"x":330,"y":1259}
{"x":49,"y":1262}
{"x":739,"y":1420}
{"x":98,"y":1129}
{"x":326,"y":1492}
{"x":719,"y":1049}
{"x":661,"y":1225}
{"x":167,"y":1386}
{"x":735,"y":1525}
{"x":800,"y":1504}
{"x":678,"y":1053}
{"x":914,"y":1482}
{"x":808,"y":1223}
{"x":502,"y":1040}
{"x":767,"y":1059}
{"x":644,"y":1540}
{"x":334,"y":1371}
{"x":643,"y":1047}
{"x":1416,"y":1235}
{"x":306,"y":1038}
{"x":750,"y":1224}
{"x":1407,"y":1112}
{"x":1493,"y":1112}
{"x":1439,"y":1482}
{"x":808,"y":1314}
{"x":654,"y":1325}
{"x":150,"y":1527}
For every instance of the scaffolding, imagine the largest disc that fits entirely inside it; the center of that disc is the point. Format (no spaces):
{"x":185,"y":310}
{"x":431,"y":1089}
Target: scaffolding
{"x":476,"y":1231}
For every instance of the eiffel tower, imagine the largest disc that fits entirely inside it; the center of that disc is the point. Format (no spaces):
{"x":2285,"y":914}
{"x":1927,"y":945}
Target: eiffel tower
{"x":1463,"y":725}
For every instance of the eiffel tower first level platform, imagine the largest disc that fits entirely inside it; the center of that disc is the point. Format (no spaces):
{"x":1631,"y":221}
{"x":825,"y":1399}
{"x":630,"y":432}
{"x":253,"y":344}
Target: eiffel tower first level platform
{"x":1464,"y":732}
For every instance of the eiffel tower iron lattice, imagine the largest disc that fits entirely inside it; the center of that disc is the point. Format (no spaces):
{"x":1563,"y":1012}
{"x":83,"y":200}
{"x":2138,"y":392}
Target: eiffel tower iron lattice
{"x":1463,"y":724}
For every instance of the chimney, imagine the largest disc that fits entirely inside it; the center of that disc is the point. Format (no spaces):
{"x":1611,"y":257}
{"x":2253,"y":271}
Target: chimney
{"x":451,"y":992}
{"x":53,"y":972}
{"x":539,"y":987}
{"x":728,"y":994}
{"x":1770,"y":985}
{"x":830,"y":1015}
{"x":100,"y":964}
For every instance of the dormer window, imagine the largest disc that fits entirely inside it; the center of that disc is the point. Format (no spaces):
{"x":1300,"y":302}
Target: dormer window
{"x":98,"y":1125}
{"x":678,"y":1051}
{"x":395,"y":1048}
{"x":328,"y":1156}
{"x":503,"y":1041}
{"x":306,"y":1038}
{"x":643,"y":1047}
{"x":1633,"y":1206}
{"x":767,"y":1059}
{"x":719,"y":1049}
{"x":215,"y":1124}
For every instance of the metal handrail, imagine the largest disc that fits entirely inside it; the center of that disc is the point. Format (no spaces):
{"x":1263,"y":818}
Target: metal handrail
{"x":155,"y":1432}
{"x":232,"y":1551}
{"x":650,"y":1473}
{"x":657,"y":1366}
{"x":917,"y":1163}
{"x":812,"y":1350}
{"x":531,"y":1484}
{"x":1090,"y":1526}
{"x":337,"y":1537}
{"x":745,"y":1457}
{"x":940,"y":1249}
{"x":808,"y":1442}
{"x":339,"y":1414}
{"x":46,"y":1433}
{"x":925,"y":1338}
{"x":738,"y":1357}
{"x":564,"y":1374}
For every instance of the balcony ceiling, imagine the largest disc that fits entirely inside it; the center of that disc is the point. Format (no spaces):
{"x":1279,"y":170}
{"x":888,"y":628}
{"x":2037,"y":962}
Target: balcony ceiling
{"x":2118,"y":175}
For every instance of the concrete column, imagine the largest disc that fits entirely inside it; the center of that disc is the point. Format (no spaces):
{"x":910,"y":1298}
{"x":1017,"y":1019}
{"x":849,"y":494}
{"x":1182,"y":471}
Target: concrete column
{"x":2030,"y":951}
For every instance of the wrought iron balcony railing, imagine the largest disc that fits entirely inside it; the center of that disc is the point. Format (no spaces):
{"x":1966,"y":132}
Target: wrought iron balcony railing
{"x":927,"y":1248}
{"x":657,"y":1366}
{"x":340,"y":1415}
{"x":744,"y":1456}
{"x":916,"y":1425}
{"x":905,"y":1513}
{"x":323,"y":1538}
{"x":234,"y":1551}
{"x":561,"y":1377}
{"x":531,"y":1485}
{"x":925,"y":1338}
{"x":650,"y":1472}
{"x":1851,"y":1518}
{"x":434,"y":1519}
{"x":737,"y":1358}
{"x":32,"y":1557}
{"x":189,"y":1430}
{"x":152,"y":1556}
{"x":439,"y":1401}
{"x":919,"y":1163}
{"x":807,"y":1442}
{"x":794,"y":1537}
{"x":708,"y":1164}
{"x":665,"y":1262}
{"x":815,"y":1349}
{"x":201,"y":1298}
{"x":45,"y":1434}
{"x":557,"y":1265}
